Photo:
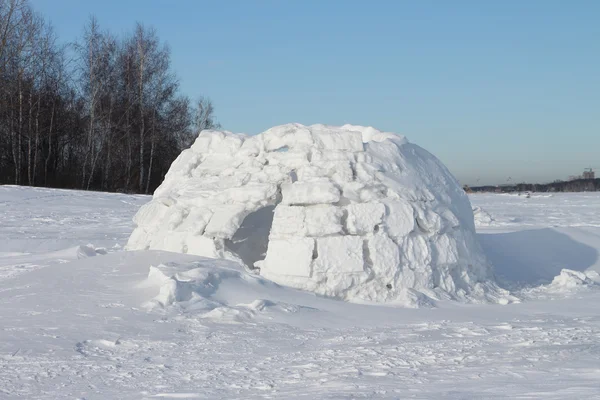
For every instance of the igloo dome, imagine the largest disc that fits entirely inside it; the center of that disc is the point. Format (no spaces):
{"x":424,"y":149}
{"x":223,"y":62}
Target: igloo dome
{"x":349,"y":212}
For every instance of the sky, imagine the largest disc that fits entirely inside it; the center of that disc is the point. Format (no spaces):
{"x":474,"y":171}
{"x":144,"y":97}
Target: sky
{"x":498,"y":90}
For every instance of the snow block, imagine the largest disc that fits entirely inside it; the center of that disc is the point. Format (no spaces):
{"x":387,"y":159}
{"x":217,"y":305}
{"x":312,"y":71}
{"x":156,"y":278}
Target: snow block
{"x":363,"y":218}
{"x":290,"y":159}
{"x":384,"y":257}
{"x":249,"y":193}
{"x":150,"y":214}
{"x":310,"y":192}
{"x":195,"y":222}
{"x":446,"y":250}
{"x":339,"y":171}
{"x":288,"y":221}
{"x":318,"y":220}
{"x":291,"y":136}
{"x":202,"y":246}
{"x":335,"y":139}
{"x":323,"y":220}
{"x":340,"y":254}
{"x":225,"y":221}
{"x":175,"y":242}
{"x":399,"y":220}
{"x":291,"y":257}
{"x":322,"y":155}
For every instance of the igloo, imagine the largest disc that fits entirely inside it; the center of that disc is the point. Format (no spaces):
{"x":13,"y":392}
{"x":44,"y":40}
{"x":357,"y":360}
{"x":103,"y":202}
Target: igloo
{"x":348,"y":212}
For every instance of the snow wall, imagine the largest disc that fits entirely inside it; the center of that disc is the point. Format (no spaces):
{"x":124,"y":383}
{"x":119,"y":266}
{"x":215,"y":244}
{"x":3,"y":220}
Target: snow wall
{"x":349,"y":212}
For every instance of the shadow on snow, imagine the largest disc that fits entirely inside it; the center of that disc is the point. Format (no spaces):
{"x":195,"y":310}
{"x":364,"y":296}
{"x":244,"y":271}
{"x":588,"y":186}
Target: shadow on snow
{"x":535,"y":257}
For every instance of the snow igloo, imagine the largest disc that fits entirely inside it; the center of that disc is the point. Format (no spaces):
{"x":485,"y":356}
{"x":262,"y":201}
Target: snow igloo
{"x":349,"y":212}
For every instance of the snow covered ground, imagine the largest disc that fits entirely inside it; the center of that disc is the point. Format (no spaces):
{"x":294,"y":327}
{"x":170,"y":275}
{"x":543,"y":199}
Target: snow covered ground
{"x":81,"y":318}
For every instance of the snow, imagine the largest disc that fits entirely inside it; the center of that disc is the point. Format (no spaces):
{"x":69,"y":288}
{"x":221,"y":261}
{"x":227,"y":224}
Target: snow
{"x":482,"y":217}
{"x":334,"y":190}
{"x":81,"y":318}
{"x":569,"y":279}
{"x":364,"y":218}
{"x":299,"y":253}
{"x":310,"y":192}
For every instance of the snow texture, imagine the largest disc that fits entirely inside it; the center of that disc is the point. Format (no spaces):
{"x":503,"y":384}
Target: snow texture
{"x":359,"y":214}
{"x":482,"y":217}
{"x":570,"y":279}
{"x":77,"y":323}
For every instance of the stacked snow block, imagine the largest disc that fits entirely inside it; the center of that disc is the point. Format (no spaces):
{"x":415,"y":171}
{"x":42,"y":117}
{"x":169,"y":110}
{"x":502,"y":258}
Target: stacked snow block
{"x":359,"y":214}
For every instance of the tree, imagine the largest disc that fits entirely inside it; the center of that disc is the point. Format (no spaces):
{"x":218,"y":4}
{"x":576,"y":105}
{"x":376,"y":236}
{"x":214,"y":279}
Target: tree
{"x":107,"y":115}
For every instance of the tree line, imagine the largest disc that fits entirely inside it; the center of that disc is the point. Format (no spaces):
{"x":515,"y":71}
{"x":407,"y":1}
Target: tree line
{"x":105,"y":113}
{"x":576,"y":185}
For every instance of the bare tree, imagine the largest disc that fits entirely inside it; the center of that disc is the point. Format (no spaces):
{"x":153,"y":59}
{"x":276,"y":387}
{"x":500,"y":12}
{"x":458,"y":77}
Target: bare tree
{"x":83,"y":121}
{"x":205,"y":115}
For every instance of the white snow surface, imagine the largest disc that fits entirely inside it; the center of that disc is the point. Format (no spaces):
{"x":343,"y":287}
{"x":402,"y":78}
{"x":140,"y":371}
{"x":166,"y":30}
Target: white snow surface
{"x":82,"y":319}
{"x":348,"y":212}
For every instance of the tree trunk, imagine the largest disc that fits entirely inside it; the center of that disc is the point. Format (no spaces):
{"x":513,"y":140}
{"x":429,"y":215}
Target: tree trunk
{"x":92,"y":169}
{"x":141,"y":151}
{"x":129,"y":153}
{"x":142,"y":133}
{"x":37,"y":140}
{"x":19,"y":137}
{"x":13,"y":140}
{"x":88,"y":147}
{"x":129,"y":162}
{"x":153,"y":139}
{"x":49,"y":145}
{"x":29,"y":135}
{"x":107,"y":166}
{"x":13,"y":137}
{"x":142,"y":55}
{"x":92,"y":107}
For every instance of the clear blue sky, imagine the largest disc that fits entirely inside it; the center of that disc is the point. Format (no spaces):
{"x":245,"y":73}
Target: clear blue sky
{"x":493,"y":88}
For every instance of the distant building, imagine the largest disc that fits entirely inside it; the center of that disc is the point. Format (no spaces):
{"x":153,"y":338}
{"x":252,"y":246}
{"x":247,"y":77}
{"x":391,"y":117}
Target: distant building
{"x":589,"y":174}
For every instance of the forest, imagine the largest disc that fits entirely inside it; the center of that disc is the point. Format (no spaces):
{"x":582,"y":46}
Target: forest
{"x":103,"y":113}
{"x":576,"y":185}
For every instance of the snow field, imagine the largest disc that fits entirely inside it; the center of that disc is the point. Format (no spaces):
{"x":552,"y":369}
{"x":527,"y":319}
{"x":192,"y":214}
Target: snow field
{"x":154,"y":324}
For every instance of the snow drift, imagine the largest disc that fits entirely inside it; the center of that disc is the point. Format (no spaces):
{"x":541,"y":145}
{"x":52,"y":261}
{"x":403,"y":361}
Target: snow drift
{"x":482,"y":217}
{"x":221,"y":291}
{"x":349,"y":212}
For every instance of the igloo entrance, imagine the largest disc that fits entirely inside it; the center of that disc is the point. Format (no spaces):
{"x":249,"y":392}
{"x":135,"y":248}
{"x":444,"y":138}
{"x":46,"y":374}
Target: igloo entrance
{"x":249,"y":243}
{"x":349,"y":212}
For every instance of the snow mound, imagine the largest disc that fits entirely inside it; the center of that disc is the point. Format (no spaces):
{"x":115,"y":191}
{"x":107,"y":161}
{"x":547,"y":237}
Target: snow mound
{"x":564,"y":285}
{"x":218,"y":290}
{"x":569,"y":279}
{"x":482,"y":217}
{"x":89,"y":250}
{"x":191,"y":284}
{"x":348,"y":212}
